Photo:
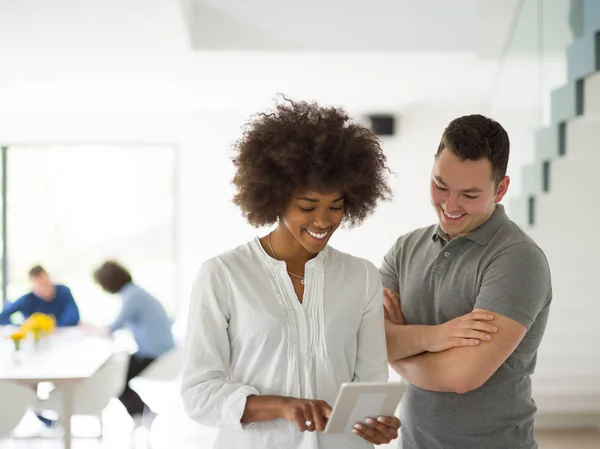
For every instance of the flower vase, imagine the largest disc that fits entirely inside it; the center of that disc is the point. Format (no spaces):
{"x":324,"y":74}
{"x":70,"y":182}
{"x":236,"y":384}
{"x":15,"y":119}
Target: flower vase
{"x":37,"y":334}
{"x":18,"y":355}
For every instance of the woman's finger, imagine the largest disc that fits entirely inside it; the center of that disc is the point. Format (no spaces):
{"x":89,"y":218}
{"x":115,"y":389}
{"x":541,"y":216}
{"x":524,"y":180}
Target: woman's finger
{"x":367,"y":433}
{"x":309,"y":424}
{"x":298,"y":415}
{"x":385,"y":432}
{"x":370,"y":434}
{"x":318,"y":418}
{"x":389,"y":421}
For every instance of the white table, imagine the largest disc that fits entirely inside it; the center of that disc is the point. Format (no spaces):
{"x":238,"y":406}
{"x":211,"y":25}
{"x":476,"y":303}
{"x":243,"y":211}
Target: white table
{"x":63,"y":358}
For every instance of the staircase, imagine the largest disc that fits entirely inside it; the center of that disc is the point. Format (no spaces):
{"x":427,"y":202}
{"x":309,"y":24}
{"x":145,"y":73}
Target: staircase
{"x":560,"y":210}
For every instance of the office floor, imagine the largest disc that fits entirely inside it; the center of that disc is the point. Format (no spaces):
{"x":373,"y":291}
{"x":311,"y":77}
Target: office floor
{"x":568,"y":439}
{"x":118,"y":435}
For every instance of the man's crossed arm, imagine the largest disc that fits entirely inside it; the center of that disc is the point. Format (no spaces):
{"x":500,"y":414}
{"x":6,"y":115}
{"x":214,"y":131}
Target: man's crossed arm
{"x":457,"y":356}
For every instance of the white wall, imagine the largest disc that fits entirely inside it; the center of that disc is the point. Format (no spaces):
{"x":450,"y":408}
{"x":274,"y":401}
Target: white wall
{"x":208,"y":222}
{"x":124,"y":72}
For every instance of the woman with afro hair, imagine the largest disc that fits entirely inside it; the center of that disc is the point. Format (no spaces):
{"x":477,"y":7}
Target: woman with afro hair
{"x":278,"y":324}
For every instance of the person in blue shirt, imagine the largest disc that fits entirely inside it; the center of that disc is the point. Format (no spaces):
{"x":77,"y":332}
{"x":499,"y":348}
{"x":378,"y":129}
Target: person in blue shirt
{"x":147,"y":320}
{"x":45,"y":297}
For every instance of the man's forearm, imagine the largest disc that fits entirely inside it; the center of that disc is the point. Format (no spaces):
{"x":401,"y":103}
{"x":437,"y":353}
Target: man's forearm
{"x":408,"y":355}
{"x":429,"y":371}
{"x":406,"y":340}
{"x":4,"y":318}
{"x":7,"y":312}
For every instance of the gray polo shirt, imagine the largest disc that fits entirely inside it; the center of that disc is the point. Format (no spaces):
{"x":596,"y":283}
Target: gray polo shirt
{"x":497,"y":267}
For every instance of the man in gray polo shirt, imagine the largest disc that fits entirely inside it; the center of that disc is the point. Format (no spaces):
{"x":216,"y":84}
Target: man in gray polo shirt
{"x":474,"y":297}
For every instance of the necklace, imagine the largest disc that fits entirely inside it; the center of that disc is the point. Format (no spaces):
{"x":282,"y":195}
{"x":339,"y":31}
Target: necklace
{"x":275,"y":256}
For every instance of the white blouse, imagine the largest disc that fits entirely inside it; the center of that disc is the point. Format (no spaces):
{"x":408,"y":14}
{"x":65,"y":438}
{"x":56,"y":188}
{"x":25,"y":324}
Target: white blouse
{"x":249,"y":335}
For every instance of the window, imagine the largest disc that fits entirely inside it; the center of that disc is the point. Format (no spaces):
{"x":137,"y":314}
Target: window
{"x":70,"y":207}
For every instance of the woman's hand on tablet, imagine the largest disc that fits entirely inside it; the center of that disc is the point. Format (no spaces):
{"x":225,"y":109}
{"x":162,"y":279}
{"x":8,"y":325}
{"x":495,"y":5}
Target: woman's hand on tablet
{"x":309,"y":415}
{"x":378,"y":431}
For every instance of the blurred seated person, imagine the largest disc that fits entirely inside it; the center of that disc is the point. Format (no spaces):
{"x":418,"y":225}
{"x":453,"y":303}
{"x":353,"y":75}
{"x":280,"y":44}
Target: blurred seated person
{"x":147,"y":320}
{"x":45,"y":297}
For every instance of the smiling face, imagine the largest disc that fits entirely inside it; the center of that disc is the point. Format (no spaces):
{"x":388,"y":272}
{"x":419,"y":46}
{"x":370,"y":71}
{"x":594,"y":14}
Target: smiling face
{"x":464,"y":193}
{"x":312,"y":218}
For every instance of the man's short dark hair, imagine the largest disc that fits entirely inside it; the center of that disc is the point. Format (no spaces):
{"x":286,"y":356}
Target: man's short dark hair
{"x":36,"y":271}
{"x":112,"y":276}
{"x":475,"y":137}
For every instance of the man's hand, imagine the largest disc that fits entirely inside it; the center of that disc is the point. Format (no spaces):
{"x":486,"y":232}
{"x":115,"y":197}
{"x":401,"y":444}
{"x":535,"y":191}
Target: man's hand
{"x":467,"y":330}
{"x":392,"y":307}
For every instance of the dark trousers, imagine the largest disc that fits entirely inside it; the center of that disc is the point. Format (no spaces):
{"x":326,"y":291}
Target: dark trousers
{"x":129,"y":398}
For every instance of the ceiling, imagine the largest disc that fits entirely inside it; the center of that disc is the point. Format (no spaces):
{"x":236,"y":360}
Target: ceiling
{"x":447,"y":25}
{"x":161,"y":55}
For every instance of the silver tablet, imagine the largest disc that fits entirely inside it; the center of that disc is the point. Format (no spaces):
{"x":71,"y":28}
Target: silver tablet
{"x":358,"y":401}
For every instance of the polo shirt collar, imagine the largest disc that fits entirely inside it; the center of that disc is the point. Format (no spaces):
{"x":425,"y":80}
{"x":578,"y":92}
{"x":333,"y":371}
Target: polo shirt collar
{"x":484,"y":233}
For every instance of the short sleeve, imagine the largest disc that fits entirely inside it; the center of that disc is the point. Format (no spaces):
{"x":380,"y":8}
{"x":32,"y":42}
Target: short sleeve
{"x":389,"y":269}
{"x":516,"y":284}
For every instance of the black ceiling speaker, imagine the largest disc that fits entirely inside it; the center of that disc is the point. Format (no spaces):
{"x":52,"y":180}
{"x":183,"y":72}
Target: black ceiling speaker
{"x":383,"y":124}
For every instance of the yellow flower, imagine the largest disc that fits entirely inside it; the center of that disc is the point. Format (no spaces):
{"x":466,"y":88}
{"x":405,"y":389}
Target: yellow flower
{"x":19,"y":335}
{"x":16,"y":337}
{"x":39,"y":322}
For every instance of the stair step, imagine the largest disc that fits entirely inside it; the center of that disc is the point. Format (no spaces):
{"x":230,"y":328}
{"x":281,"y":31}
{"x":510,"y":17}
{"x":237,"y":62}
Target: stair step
{"x":583,"y":137}
{"x":566,"y":393}
{"x":591,"y":16}
{"x":569,"y":328}
{"x":564,"y":365}
{"x":547,"y":143}
{"x":573,"y":176}
{"x":581,"y":53}
{"x":550,"y":401}
{"x":557,"y":346}
{"x":580,"y":57}
{"x":562,"y":101}
{"x":547,"y":381}
{"x":560,"y":176}
{"x":517,"y":209}
{"x":592,"y":94}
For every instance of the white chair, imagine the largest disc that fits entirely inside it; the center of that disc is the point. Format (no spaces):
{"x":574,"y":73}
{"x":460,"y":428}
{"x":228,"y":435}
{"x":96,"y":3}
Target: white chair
{"x":91,"y":396}
{"x":160,"y":379}
{"x":174,"y":429}
{"x":167,"y":367}
{"x":16,"y":399}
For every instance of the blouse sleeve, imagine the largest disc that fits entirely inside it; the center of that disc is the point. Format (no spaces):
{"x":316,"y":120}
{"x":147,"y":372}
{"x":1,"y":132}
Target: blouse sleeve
{"x":371,"y":358}
{"x":208,"y":395}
